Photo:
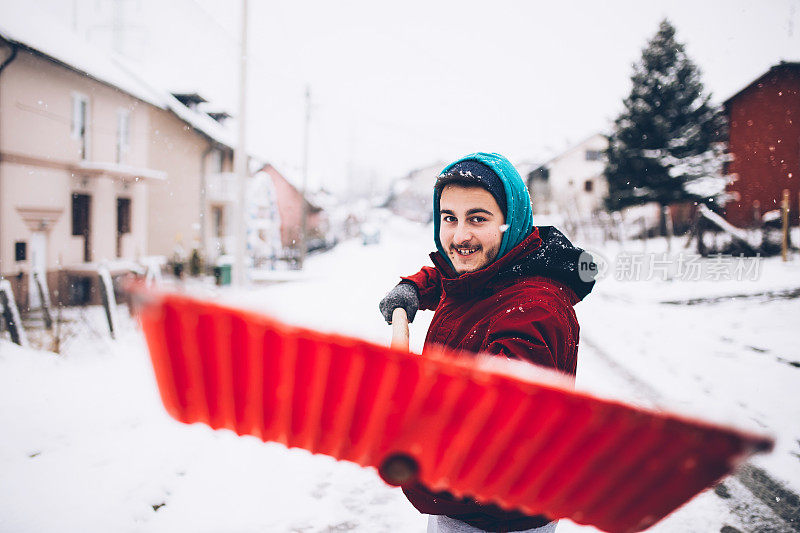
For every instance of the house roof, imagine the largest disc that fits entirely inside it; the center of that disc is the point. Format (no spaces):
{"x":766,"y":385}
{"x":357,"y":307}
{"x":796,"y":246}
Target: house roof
{"x":266,"y":167}
{"x":40,"y":33}
{"x":569,"y":150}
{"x":783,"y":65}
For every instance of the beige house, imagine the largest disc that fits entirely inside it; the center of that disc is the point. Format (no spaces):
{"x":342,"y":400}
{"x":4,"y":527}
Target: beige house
{"x":572,"y":183}
{"x":96,"y":165}
{"x":193,"y":206}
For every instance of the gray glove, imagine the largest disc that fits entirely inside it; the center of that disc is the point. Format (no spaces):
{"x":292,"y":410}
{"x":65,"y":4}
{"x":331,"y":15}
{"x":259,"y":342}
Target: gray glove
{"x":405,"y":296}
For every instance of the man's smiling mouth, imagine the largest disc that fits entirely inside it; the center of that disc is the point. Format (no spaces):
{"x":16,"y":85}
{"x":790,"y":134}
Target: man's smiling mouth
{"x":466,"y":251}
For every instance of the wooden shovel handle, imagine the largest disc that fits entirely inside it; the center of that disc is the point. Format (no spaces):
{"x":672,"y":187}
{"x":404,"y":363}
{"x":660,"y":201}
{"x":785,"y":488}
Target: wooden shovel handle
{"x":399,"y":329}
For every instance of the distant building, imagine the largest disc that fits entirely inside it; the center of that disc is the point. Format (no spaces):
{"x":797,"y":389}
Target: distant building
{"x":764,"y":121}
{"x":412,"y":196}
{"x":96,"y":165}
{"x":264,"y":220}
{"x":289,"y":211}
{"x":571,"y":183}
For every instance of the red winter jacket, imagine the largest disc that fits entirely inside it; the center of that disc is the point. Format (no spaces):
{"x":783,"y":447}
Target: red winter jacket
{"x":519,"y":306}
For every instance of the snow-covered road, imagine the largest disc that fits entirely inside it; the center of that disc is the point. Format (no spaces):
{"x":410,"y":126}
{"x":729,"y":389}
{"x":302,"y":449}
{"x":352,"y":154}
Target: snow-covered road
{"x":86,"y":446}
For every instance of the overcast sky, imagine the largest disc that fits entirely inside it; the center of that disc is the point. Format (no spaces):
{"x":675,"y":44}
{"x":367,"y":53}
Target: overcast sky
{"x":401,"y":85}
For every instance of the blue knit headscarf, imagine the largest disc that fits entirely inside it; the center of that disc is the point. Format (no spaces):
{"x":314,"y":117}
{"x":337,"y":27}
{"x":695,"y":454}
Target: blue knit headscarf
{"x":519,"y":213}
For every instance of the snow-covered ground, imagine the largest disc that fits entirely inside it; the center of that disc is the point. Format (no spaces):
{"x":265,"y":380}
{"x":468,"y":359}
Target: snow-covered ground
{"x":86,"y":446}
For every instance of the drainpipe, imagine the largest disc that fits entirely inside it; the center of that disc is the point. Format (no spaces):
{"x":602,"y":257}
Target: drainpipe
{"x":3,"y":65}
{"x":203,"y":199}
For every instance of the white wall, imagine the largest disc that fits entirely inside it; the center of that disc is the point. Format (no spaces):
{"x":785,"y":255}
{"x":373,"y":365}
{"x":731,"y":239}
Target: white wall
{"x":570,"y":171}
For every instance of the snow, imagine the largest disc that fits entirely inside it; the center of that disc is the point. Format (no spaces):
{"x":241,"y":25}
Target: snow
{"x":200,"y":121}
{"x":88,"y":447}
{"x":107,"y":292}
{"x":727,"y":226}
{"x":704,"y":187}
{"x":728,"y":352}
{"x":37,"y":29}
{"x":116,"y":168}
{"x":7,"y":299}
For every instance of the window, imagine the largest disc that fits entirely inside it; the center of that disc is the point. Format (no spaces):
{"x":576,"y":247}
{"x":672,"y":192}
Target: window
{"x":541,"y":173}
{"x":123,"y":221}
{"x":80,"y":123}
{"x":123,"y":215}
{"x":218,"y":218}
{"x":81,"y":222}
{"x":588,"y":185}
{"x":80,"y":290}
{"x":20,"y":251}
{"x":80,"y":214}
{"x":594,"y":155}
{"x":123,"y":134}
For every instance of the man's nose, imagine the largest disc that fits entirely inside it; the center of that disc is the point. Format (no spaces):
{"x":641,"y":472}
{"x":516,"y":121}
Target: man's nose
{"x":462,"y":234}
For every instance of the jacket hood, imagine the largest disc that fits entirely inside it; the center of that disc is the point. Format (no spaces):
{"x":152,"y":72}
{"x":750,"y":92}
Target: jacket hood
{"x":545,"y":252}
{"x":557,"y":258}
{"x":519,"y":213}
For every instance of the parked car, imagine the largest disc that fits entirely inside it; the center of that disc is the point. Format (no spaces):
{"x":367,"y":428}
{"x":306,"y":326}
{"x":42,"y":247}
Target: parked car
{"x":370,"y":234}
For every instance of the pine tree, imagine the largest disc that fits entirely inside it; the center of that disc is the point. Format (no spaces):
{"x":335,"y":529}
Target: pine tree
{"x":665,"y":146}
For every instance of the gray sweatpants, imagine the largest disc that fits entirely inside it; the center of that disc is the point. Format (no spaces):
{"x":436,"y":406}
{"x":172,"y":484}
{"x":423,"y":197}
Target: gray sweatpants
{"x":445,"y":524}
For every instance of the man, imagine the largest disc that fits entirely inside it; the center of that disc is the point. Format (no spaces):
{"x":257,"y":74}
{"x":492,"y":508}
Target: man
{"x":500,"y":285}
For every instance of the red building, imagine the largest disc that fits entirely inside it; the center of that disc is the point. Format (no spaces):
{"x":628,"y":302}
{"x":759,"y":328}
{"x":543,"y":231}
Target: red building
{"x":765,"y":143}
{"x":290,"y":209}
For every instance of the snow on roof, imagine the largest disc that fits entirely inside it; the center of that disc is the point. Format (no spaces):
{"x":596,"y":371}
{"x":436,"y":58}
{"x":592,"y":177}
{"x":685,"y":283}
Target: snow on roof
{"x":258,"y":162}
{"x":260,"y":165}
{"x":122,"y":170}
{"x":36,"y":30}
{"x":571,"y":148}
{"x":201,"y":122}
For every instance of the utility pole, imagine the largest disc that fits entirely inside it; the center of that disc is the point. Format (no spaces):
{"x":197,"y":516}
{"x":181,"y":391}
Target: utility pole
{"x":75,"y":16}
{"x":303,"y":201}
{"x":118,"y":26}
{"x":785,"y":225}
{"x":240,"y":161}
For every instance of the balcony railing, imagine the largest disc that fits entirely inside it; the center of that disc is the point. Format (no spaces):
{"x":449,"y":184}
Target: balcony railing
{"x":221,"y":187}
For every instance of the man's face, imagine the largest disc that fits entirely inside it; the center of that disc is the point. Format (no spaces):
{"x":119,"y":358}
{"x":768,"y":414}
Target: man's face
{"x":469,"y":229}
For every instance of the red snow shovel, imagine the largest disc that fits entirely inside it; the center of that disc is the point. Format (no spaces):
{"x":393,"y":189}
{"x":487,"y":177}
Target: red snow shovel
{"x":474,"y":426}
